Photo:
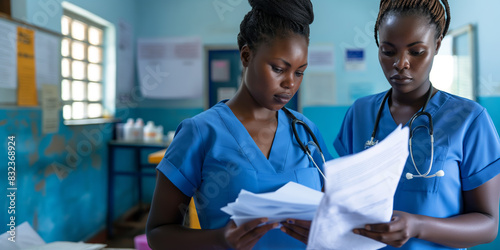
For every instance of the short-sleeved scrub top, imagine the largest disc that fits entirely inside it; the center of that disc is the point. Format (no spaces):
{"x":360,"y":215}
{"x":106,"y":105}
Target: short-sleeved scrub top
{"x":466,"y":148}
{"x":213,"y":157}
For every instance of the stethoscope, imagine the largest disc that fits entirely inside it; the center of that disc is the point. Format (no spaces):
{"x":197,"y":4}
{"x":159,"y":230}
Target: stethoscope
{"x":304,"y":148}
{"x":430,"y":130}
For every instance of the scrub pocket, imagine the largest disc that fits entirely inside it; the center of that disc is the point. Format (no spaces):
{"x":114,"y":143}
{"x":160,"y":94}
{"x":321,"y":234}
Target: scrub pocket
{"x":309,"y":177}
{"x":429,"y":185}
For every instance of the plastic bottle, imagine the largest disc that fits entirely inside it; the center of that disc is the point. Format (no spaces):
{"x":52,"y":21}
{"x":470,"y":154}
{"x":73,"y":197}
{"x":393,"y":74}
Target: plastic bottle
{"x":128,"y":130}
{"x":149,"y":132}
{"x":159,"y":133}
{"x":138,"y":129}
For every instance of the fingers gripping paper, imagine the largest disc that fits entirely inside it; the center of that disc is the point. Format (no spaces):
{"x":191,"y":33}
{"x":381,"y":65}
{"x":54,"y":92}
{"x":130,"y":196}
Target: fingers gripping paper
{"x":360,"y":190}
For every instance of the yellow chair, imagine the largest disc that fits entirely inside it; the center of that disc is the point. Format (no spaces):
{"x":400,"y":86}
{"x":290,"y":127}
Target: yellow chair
{"x":155,"y":158}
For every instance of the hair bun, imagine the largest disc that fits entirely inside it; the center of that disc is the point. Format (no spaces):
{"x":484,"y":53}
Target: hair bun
{"x":299,"y":11}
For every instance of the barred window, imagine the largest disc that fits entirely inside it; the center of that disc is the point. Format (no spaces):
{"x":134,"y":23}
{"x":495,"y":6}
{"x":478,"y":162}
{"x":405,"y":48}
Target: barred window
{"x":82,"y":50}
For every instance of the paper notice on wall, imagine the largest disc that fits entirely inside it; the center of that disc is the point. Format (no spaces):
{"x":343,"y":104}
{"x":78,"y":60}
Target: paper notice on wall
{"x":321,"y":57}
{"x":50,"y":108}
{"x":355,"y":60}
{"x":48,"y":61}
{"x":8,"y":55}
{"x":170,"y":68}
{"x":225,"y":93}
{"x":26,"y":89}
{"x":318,"y":89}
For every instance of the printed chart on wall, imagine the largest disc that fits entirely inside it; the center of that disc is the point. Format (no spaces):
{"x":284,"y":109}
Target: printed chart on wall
{"x":27,"y":61}
{"x":8,"y":55}
{"x":170,"y":68}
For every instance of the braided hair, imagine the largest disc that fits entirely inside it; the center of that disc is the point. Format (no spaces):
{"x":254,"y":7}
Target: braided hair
{"x":276,"y":18}
{"x":433,"y":9}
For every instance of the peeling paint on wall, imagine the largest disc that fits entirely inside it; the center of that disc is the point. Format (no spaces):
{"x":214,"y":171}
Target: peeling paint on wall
{"x":40,"y":186}
{"x":96,"y":161}
{"x":34,"y":157}
{"x":56,"y":145}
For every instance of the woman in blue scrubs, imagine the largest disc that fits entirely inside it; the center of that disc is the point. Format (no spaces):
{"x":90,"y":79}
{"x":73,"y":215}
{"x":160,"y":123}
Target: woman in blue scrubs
{"x":454,"y":211}
{"x":242,"y":143}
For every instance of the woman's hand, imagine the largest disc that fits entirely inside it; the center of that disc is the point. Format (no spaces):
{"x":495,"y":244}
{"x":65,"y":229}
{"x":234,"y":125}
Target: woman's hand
{"x":246,"y":235}
{"x":298,"y":229}
{"x":403,"y":226}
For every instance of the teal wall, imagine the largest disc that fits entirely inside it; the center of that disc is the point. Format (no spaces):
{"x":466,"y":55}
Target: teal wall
{"x":59,"y":192}
{"x":62,"y":177}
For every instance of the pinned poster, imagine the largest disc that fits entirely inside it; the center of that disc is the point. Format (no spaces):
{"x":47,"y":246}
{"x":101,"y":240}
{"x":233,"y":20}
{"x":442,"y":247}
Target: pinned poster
{"x":26,"y":89}
{"x":355,"y":60}
{"x":8,"y":58}
{"x":47,"y":62}
{"x":170,"y":68}
{"x":50,"y":108}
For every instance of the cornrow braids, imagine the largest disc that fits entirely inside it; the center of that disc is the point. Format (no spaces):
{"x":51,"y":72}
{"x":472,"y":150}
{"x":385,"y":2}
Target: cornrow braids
{"x":276,"y":18}
{"x":433,"y":9}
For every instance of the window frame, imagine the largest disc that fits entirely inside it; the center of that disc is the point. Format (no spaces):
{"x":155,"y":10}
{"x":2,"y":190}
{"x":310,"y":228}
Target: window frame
{"x":87,"y":62}
{"x":108,"y":62}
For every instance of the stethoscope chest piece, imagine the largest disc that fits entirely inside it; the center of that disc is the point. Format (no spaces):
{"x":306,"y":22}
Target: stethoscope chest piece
{"x":373,"y":142}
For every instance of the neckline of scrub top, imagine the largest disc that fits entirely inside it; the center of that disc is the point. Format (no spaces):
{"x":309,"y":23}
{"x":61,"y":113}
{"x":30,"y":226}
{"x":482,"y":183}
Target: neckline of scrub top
{"x":432,"y":107}
{"x":279,"y":147}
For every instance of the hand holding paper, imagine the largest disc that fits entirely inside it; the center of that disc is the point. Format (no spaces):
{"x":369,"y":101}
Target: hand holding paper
{"x":359,"y":191}
{"x":290,"y":201}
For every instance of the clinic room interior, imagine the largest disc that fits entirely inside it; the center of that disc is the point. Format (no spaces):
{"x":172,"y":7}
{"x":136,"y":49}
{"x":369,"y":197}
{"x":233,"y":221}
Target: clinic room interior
{"x":98,"y":75}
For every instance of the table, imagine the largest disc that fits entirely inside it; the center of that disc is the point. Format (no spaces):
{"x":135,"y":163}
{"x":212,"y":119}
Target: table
{"x":136,"y":147}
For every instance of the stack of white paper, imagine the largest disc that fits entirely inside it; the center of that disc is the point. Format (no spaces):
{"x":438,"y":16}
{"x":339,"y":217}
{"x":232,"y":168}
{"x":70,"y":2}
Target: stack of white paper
{"x":359,"y":190}
{"x":290,"y":201}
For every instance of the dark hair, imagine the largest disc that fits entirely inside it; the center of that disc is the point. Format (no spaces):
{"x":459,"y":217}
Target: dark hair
{"x":433,"y":9}
{"x":274,"y":18}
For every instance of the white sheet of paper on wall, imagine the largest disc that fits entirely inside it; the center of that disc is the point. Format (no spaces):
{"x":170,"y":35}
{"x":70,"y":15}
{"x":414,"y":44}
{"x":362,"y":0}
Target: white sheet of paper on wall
{"x":220,"y":70}
{"x":170,"y":68}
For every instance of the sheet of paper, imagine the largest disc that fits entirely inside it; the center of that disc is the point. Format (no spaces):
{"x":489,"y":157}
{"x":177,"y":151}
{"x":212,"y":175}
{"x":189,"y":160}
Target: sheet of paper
{"x":50,"y":108}
{"x":48,"y":61}
{"x":26,"y":89}
{"x":170,"y":68}
{"x":8,"y":55}
{"x":68,"y":245}
{"x":25,"y":236}
{"x":290,"y":201}
{"x":360,"y":190}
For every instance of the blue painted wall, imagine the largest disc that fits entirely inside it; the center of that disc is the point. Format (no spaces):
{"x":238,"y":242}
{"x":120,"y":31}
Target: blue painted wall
{"x":62,"y":177}
{"x":54,"y":203}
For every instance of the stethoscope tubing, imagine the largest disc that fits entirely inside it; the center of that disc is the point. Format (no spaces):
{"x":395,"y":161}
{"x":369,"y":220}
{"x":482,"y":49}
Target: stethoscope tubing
{"x":371,"y":142}
{"x":301,"y":145}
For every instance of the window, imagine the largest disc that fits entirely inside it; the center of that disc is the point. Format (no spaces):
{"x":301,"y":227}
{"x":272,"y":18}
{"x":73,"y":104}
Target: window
{"x":82,"y":50}
{"x":453,"y":69}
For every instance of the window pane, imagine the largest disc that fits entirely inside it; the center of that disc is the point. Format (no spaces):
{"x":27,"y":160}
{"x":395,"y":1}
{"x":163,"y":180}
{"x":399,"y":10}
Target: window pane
{"x":95,"y":110}
{"x":65,"y":21}
{"x":65,"y":90}
{"x":78,"y":70}
{"x":78,"y":110}
{"x":95,"y":72}
{"x":65,"y":67}
{"x":78,"y":30}
{"x":95,"y":54}
{"x":78,"y":50}
{"x":67,"y":112}
{"x":94,"y":91}
{"x":95,"y":36}
{"x":78,"y":90}
{"x":65,"y":47}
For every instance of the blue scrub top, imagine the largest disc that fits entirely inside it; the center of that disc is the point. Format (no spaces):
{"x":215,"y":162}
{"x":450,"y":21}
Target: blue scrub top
{"x":466,"y":148}
{"x":213,"y":157}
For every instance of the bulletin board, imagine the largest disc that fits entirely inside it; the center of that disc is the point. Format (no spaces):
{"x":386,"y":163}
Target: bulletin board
{"x":29,"y":58}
